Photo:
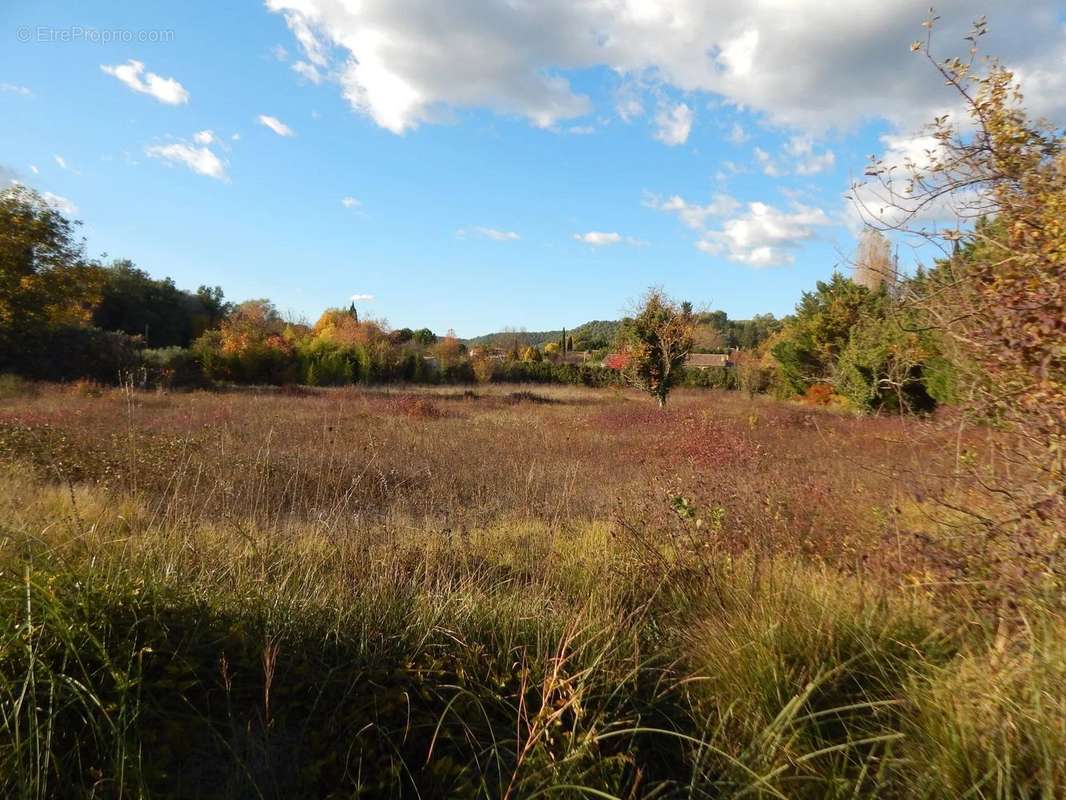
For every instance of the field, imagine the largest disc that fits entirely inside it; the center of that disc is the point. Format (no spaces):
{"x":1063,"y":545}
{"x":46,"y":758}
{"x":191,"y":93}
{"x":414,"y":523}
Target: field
{"x":510,"y":592}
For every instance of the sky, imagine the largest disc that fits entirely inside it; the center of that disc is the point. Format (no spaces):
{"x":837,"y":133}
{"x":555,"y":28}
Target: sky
{"x":481,"y":164}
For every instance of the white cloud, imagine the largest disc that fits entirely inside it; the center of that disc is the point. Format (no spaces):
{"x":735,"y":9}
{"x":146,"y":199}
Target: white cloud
{"x":200,"y":160}
{"x":308,"y":72}
{"x":581,"y":130}
{"x":805,"y":160}
{"x":279,"y":52}
{"x":60,"y":161}
{"x":598,"y":238}
{"x":764,"y":236}
{"x":59,"y":203}
{"x":673,"y":124}
{"x":165,"y":90}
{"x":766,"y":161}
{"x":488,"y":233}
{"x":350,"y":202}
{"x":805,"y":64}
{"x":361,"y":298}
{"x":235,"y":137}
{"x":760,"y":236}
{"x":34,"y":170}
{"x":628,"y":104}
{"x":15,"y":89}
{"x":737,"y":134}
{"x":692,"y":214}
{"x":205,"y":137}
{"x":891,"y":200}
{"x":276,"y":125}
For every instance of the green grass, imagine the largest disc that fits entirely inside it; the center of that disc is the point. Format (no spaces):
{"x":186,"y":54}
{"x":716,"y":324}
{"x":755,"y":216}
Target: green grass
{"x":147,"y":660}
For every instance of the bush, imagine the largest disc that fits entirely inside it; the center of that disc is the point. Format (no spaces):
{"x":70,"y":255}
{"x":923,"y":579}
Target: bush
{"x":710,"y":378}
{"x":168,"y":367}
{"x":69,"y":352}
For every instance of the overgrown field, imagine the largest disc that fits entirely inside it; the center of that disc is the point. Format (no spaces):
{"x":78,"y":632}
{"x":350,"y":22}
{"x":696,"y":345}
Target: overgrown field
{"x":511,"y":593}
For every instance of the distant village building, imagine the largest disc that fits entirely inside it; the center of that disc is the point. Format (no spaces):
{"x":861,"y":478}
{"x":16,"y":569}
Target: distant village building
{"x":707,"y":360}
{"x":694,"y":360}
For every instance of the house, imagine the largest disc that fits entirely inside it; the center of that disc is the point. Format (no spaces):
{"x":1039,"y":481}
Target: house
{"x":576,"y":357}
{"x":694,"y":360}
{"x":706,"y":360}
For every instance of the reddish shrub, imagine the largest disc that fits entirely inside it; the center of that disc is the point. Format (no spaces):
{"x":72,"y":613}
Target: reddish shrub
{"x":818,"y":395}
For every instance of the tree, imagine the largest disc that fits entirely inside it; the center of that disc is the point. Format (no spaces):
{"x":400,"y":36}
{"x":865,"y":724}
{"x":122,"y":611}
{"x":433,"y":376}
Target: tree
{"x":532,"y":354}
{"x":996,"y":297}
{"x":807,"y":348}
{"x":45,"y":278}
{"x":874,"y":265}
{"x":424,"y":337}
{"x":552,"y":351}
{"x":133,"y":302}
{"x":656,"y":342}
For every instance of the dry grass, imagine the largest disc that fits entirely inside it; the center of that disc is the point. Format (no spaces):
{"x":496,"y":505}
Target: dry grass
{"x":501,"y":592}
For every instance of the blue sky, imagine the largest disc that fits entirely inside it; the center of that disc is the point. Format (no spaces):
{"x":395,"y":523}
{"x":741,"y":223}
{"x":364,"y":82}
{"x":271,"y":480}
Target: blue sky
{"x":503,"y":165}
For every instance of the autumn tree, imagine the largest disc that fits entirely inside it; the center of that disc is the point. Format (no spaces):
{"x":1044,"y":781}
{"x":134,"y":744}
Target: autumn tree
{"x":45,"y":277}
{"x":655,"y":342}
{"x":991,"y":195}
{"x":874,"y":264}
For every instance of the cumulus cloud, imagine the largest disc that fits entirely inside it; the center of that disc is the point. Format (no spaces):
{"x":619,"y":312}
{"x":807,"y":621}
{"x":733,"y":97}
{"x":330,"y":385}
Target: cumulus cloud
{"x":361,"y":298}
{"x":804,"y":158}
{"x":488,"y":233}
{"x":201,"y":160}
{"x":598,"y":238}
{"x":165,"y":90}
{"x":694,"y":215}
{"x":767,"y":163}
{"x":308,"y":72}
{"x":891,"y":199}
{"x":737,"y":134}
{"x":814,"y":68}
{"x":350,"y":202}
{"x":15,"y":89}
{"x":673,"y":125}
{"x":276,"y":125}
{"x":764,"y":236}
{"x":60,"y":161}
{"x":205,"y":137}
{"x":760,"y":235}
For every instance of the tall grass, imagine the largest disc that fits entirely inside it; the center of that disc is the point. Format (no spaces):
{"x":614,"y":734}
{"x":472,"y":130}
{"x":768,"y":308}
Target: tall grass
{"x":246,"y":625}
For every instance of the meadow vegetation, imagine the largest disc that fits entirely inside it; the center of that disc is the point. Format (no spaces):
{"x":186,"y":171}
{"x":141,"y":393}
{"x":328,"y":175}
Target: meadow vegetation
{"x":343,"y":593}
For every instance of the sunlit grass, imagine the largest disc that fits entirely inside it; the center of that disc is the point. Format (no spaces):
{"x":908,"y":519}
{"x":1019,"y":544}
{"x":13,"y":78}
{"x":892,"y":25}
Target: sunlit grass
{"x":316,"y":596}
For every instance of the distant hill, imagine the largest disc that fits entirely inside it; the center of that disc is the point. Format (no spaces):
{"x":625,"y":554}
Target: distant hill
{"x":590,"y":336}
{"x":719,"y":333}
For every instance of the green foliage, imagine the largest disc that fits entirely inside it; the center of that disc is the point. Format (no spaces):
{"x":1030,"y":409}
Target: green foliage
{"x":710,"y":378}
{"x":809,"y":345}
{"x":134,"y":303}
{"x":172,"y":367}
{"x":883,"y":366}
{"x":656,"y":343}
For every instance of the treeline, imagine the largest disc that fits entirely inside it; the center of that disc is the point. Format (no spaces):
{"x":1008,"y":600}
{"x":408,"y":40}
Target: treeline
{"x":716,"y":333}
{"x":858,"y":347}
{"x":64,"y":316}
